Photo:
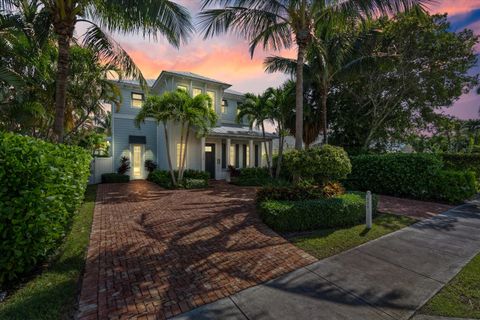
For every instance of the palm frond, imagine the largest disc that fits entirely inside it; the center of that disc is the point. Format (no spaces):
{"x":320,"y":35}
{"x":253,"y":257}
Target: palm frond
{"x":150,"y":18}
{"x":280,"y":64}
{"x":112,"y":53}
{"x":10,"y":77}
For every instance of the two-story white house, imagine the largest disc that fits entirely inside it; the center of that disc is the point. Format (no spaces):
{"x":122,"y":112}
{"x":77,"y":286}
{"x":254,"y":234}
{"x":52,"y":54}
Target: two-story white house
{"x":229,"y":143}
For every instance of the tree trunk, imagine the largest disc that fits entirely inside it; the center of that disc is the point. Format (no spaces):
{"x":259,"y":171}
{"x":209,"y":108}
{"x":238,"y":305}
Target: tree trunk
{"x":299,"y":98}
{"x":184,"y":160}
{"x":324,"y":115}
{"x":169,"y":158}
{"x":64,"y":34}
{"x":280,"y":156}
{"x":269,"y":165}
{"x":182,"y":130}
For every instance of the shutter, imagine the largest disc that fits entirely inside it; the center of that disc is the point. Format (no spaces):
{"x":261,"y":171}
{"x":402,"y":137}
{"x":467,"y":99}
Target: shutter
{"x":256,"y":156}
{"x":237,"y":156}
{"x":224,"y":156}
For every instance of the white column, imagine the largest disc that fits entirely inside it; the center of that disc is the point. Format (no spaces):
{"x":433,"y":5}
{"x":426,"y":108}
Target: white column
{"x":202,"y":148}
{"x":252,"y":154}
{"x":228,"y":152}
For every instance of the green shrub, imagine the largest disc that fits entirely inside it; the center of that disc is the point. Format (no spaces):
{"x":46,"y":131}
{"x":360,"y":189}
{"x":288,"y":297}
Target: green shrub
{"x":289,"y":193}
{"x":412,"y":175}
{"x":163,"y":179}
{"x":252,"y":177}
{"x":462,"y":162}
{"x":195,"y":184}
{"x":453,"y":186}
{"x":324,"y":164}
{"x":306,"y":215}
{"x":397,"y":174}
{"x":115,"y":178}
{"x":42,"y":186}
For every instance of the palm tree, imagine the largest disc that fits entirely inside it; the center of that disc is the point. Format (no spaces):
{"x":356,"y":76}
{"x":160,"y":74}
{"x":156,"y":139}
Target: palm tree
{"x":256,"y":110}
{"x":178,"y":108}
{"x":277,"y":24}
{"x":146,"y":17}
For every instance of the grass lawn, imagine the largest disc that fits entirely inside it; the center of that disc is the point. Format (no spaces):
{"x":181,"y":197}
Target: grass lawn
{"x":328,"y":242}
{"x":52,"y":294}
{"x":460,"y":297}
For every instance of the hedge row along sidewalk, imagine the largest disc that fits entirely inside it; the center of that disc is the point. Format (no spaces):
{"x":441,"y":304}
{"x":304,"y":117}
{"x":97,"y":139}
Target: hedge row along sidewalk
{"x":51,"y":295}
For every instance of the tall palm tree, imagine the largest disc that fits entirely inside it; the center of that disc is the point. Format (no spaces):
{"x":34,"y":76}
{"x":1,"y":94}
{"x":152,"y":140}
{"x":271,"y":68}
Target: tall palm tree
{"x":277,"y":24}
{"x":149,"y":18}
{"x":256,"y":110}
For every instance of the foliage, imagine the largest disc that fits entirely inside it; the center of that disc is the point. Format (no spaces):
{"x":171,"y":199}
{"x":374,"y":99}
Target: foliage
{"x":52,"y":294}
{"x":328,"y":242}
{"x":150,"y":165}
{"x":115,"y":178}
{"x":124,"y":165}
{"x":234,"y":172}
{"x":291,"y":216}
{"x":417,"y":66}
{"x":324,"y":164}
{"x":35,"y":212}
{"x":332,"y":189}
{"x":297,"y":192}
{"x":189,"y":113}
{"x":417,"y":176}
{"x":462,"y":162}
{"x":252,"y":177}
{"x":191,"y":179}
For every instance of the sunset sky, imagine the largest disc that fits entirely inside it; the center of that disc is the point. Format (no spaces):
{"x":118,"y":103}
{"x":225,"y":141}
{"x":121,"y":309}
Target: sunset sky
{"x":227,"y":58}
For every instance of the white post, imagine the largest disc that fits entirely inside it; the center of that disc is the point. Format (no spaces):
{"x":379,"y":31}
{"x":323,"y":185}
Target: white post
{"x":368,"y":205}
{"x":227,"y":153}
{"x":202,"y":146}
{"x":251,"y":162}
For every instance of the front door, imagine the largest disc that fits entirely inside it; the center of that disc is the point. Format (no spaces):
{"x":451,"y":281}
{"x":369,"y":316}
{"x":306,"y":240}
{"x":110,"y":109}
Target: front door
{"x":137,"y":161}
{"x":210,"y":159}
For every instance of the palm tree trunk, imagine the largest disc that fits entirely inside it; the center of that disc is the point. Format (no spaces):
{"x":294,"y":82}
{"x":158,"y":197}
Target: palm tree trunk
{"x":324,"y":115}
{"x":64,"y":33}
{"x":182,"y":130}
{"x":280,"y":156}
{"x":299,"y":97}
{"x":169,"y":158}
{"x":269,"y":166}
{"x":184,"y":160}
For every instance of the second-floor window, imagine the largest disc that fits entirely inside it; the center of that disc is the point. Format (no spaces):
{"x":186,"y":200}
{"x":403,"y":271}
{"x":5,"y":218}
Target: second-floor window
{"x":239,"y":106}
{"x":137,"y":99}
{"x":211,"y":94}
{"x":197,"y":91}
{"x":224,"y":106}
{"x":181,"y":87}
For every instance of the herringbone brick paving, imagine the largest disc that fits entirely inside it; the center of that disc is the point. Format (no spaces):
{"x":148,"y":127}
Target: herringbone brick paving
{"x":156,"y":253}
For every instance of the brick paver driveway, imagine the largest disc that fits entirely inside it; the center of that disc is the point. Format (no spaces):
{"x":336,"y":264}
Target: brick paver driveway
{"x":155,"y":253}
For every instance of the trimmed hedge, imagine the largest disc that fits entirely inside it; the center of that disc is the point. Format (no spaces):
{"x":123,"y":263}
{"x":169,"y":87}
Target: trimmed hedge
{"x":306,"y":215}
{"x":115,"y":178}
{"x":413,"y":175}
{"x":42,"y":186}
{"x":191,"y":178}
{"x":252,"y":177}
{"x":462,"y":162}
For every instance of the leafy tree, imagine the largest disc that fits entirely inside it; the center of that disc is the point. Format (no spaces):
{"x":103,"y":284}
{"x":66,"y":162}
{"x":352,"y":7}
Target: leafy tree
{"x":179,"y":108}
{"x":421,"y":66}
{"x":256,"y":110}
{"x":146,"y":17}
{"x":277,"y":24}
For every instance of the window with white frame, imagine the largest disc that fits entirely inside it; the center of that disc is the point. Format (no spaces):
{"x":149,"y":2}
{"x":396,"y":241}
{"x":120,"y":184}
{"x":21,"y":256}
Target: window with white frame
{"x":224,"y":106}
{"x":232,"y":155}
{"x":137,"y":99}
{"x":197,"y":91}
{"x":182,"y":87}
{"x":180,"y":149}
{"x":211,"y":94}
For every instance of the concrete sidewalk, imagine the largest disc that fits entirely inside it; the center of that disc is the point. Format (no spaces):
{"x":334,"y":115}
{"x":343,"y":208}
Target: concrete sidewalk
{"x":388,"y":278}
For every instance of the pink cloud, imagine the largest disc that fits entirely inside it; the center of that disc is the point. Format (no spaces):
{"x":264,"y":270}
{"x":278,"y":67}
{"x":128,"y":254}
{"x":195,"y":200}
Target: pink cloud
{"x":454,"y":6}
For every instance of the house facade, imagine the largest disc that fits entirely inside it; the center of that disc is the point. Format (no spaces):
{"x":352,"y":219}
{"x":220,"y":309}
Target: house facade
{"x":228,"y":143}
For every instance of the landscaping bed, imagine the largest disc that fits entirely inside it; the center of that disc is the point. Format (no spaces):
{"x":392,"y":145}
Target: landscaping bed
{"x":192,"y":179}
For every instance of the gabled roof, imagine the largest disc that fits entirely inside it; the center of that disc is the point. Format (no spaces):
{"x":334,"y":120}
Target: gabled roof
{"x":132,"y":82}
{"x":192,"y":75}
{"x":234,"y":92}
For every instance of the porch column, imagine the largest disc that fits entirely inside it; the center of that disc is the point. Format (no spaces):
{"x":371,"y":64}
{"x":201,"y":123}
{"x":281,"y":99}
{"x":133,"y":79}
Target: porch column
{"x":202,"y":147}
{"x":251,"y":161}
{"x":227,"y":159}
